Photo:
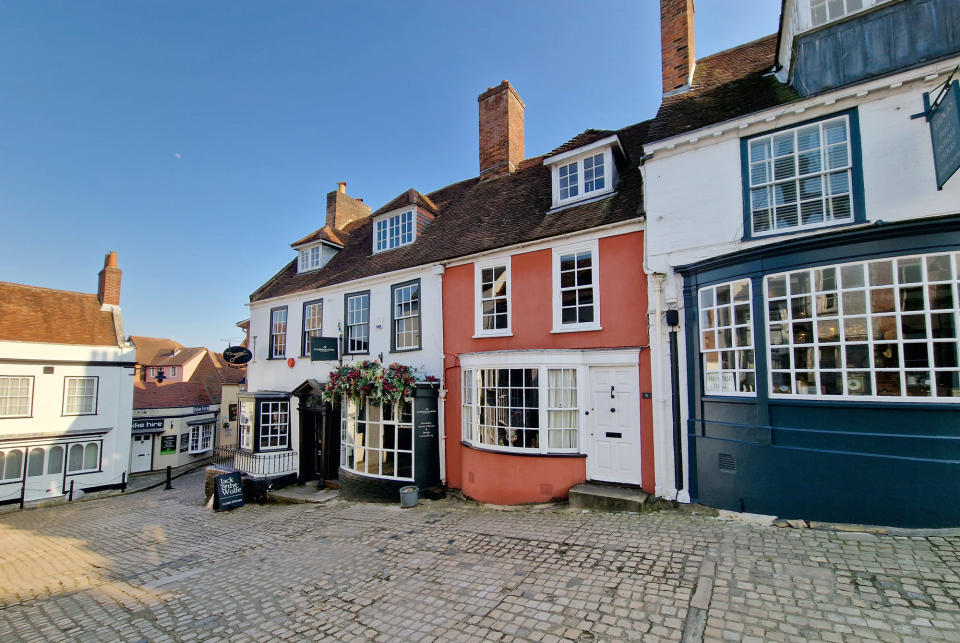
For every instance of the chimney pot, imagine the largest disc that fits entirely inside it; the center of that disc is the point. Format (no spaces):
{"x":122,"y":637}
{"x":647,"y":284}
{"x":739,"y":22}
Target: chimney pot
{"x":501,"y":130}
{"x":342,"y":187}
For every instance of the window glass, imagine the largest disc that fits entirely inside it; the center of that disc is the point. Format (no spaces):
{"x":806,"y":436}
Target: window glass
{"x":562,"y":409}
{"x":55,"y":460}
{"x":274,"y":425}
{"x":881,"y":329}
{"x":278,"y":332}
{"x":80,"y":395}
{"x":569,"y":182}
{"x":12,"y":464}
{"x":581,"y":177}
{"x":15,"y":396}
{"x":509,"y":407}
{"x":576,"y":288}
{"x":309,"y":258}
{"x":822,"y":11}
{"x":493,"y":298}
{"x":467,"y":402}
{"x":394,"y":231}
{"x":726,"y":337}
{"x":358,"y":323}
{"x":245,"y":424}
{"x":91,"y":455}
{"x":35,"y":462}
{"x":406,"y":316}
{"x":377,"y":441}
{"x":593,"y":178}
{"x":801,"y":177}
{"x":75,"y":461}
{"x":312,"y":323}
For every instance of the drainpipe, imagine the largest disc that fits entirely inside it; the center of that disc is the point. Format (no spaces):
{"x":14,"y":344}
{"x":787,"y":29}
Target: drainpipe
{"x":673,"y":320}
{"x":438,"y":270}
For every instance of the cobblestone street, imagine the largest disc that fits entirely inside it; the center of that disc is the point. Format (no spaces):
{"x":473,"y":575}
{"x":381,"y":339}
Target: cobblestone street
{"x":159,"y":566}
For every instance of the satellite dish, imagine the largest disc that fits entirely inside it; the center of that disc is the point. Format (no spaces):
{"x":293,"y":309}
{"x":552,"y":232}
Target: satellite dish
{"x":237,"y":355}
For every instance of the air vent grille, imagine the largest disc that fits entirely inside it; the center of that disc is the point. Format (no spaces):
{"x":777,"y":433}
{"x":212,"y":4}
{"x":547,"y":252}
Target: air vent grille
{"x":727,"y":462}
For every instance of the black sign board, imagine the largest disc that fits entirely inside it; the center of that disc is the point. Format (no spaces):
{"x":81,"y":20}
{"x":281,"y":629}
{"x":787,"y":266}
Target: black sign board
{"x":168,"y":444}
{"x":184,"y":442}
{"x":945,"y":133}
{"x":148,"y":424}
{"x":237,"y":355}
{"x":229,"y":492}
{"x":324,"y":349}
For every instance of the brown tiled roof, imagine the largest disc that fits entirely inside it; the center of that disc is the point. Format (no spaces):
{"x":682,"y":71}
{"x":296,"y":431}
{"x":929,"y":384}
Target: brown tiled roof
{"x":229,"y":374}
{"x":583,"y":138}
{"x":326,"y":233}
{"x":474,"y":216}
{"x":175,"y":358}
{"x":149,"y":347}
{"x":725,"y":85}
{"x":32,"y":314}
{"x":150,"y":395}
{"x":410,"y":197}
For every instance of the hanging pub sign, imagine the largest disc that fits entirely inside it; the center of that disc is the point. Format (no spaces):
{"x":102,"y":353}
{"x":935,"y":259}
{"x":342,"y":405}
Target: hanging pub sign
{"x":324,"y":349}
{"x":944,"y":118}
{"x":237,"y":355}
{"x":229,"y":491}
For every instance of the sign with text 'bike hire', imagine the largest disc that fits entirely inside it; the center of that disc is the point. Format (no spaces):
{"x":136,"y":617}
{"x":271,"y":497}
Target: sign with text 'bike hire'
{"x":229,"y":491}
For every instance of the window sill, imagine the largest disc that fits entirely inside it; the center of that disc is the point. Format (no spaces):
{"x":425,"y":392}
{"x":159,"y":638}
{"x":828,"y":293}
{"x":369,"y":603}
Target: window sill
{"x":526,"y":454}
{"x":503,"y":333}
{"x":577,"y":329}
{"x":782,"y":232}
{"x":406,"y":350}
{"x":590,"y":198}
{"x":74,"y":415}
{"x":200,"y":452}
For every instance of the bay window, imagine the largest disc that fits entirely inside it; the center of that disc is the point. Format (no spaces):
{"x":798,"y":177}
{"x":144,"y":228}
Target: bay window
{"x":201,"y":438}
{"x":377,"y":441}
{"x":274,"y":426}
{"x":726,"y":339}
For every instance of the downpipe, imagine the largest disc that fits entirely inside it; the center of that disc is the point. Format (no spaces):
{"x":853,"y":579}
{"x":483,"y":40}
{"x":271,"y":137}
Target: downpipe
{"x":673,"y":321}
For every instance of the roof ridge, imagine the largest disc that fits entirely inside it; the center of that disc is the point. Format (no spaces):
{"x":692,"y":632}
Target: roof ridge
{"x":736,"y":47}
{"x":67,"y":292}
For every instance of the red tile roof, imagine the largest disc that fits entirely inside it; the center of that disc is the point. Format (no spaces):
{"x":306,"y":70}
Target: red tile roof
{"x":326,"y":233}
{"x":410,"y":197}
{"x":149,"y":347}
{"x":150,"y":395}
{"x":32,"y":314}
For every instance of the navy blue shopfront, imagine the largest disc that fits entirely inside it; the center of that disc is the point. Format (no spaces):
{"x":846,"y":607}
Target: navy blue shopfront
{"x":835,"y":394}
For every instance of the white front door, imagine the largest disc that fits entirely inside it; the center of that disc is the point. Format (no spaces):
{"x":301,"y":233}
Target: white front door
{"x":44,"y":472}
{"x":141,"y":453}
{"x":613,"y":425}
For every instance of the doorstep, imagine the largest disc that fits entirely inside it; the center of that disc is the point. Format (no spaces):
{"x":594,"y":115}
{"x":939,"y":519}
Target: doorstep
{"x":598,"y":497}
{"x":298,"y":494}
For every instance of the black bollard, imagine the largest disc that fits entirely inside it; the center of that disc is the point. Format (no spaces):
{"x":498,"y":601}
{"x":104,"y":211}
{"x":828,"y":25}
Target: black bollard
{"x":70,"y":498}
{"x":123,"y":482}
{"x":169,"y":486}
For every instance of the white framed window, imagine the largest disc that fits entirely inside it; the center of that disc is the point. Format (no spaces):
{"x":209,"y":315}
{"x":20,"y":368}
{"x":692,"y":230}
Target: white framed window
{"x":274,"y":425}
{"x":824,"y":11}
{"x":529,"y":409}
{"x":726,"y":339}
{"x":201,"y":438}
{"x":583,"y":174}
{"x":16,"y":396}
{"x":884,"y":329}
{"x":312,"y":323}
{"x":801,"y":178}
{"x":576,"y":300}
{"x":377,"y":441}
{"x":11,"y":464}
{"x":245,"y":425}
{"x":492,"y":297}
{"x":406,"y":316}
{"x":309,"y":259}
{"x":394,"y":231}
{"x":83,"y":457}
{"x":357,"y":313}
{"x":79,"y":395}
{"x":278,"y":332}
{"x":173,"y":371}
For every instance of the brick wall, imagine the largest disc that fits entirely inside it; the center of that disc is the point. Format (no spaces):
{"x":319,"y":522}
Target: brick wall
{"x":109,"y":286}
{"x":676,"y":43}
{"x":501,"y":130}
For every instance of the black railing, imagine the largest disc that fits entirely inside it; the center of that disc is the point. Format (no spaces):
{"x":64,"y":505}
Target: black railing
{"x":256,"y":464}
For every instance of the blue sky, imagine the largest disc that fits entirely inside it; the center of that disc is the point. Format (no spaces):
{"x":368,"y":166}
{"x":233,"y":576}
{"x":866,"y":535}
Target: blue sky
{"x":198,"y":138}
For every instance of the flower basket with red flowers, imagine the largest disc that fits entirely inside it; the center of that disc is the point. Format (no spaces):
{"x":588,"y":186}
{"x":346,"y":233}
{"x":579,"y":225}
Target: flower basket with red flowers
{"x":371,"y":381}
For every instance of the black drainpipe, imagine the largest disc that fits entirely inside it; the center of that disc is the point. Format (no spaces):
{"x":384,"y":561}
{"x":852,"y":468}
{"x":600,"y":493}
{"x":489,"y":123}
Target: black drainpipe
{"x":673,"y":321}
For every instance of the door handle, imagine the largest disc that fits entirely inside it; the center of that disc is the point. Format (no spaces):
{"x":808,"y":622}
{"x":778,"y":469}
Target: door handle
{"x":586,"y":412}
{"x":611,"y":392}
{"x":613,"y":410}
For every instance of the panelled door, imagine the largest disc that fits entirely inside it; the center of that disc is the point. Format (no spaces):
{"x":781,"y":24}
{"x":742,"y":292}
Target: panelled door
{"x":44,"y":472}
{"x":613,"y":425}
{"x":141,"y":453}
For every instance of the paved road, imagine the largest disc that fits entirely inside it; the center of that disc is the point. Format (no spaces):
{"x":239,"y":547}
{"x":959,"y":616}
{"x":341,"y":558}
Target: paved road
{"x":157,"y":566}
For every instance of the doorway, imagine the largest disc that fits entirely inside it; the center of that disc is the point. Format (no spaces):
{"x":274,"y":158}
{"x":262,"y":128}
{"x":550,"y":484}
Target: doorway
{"x":319,"y":442}
{"x":613,"y":425}
{"x":141,"y":453}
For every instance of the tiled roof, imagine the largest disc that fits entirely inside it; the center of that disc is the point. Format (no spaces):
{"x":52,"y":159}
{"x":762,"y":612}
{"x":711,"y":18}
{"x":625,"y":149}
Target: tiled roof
{"x":229,"y":374}
{"x":474,"y":216}
{"x":149,"y":347}
{"x":410,"y":197}
{"x":583,"y":138}
{"x":175,"y":358}
{"x":32,"y":314}
{"x":326,"y":233}
{"x":725,"y":85}
{"x":150,"y":395}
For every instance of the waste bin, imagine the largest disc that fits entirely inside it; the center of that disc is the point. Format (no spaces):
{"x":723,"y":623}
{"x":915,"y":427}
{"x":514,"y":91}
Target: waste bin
{"x":409,"y":496}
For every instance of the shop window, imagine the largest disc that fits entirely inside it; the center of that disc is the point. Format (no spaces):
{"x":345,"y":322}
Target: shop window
{"x":377,"y":441}
{"x":726,"y":339}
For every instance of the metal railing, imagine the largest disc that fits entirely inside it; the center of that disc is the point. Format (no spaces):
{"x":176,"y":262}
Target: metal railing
{"x":255,"y":464}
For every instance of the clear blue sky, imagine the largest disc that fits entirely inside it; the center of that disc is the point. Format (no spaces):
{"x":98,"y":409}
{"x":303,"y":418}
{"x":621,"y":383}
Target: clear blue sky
{"x":198,"y":138}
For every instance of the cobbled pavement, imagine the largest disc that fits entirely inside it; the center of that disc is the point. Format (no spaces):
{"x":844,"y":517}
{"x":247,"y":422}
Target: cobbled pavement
{"x":158,"y":566}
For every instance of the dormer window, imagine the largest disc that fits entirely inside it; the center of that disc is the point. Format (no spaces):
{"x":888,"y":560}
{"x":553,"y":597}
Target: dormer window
{"x":583,"y":173}
{"x":309,"y":258}
{"x":822,"y":11}
{"x":393,"y":231}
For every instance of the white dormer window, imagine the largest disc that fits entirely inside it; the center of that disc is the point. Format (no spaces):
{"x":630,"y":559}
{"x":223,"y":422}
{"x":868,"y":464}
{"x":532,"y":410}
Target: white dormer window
{"x":309,"y":258}
{"x":393,"y":231}
{"x":583,"y":173}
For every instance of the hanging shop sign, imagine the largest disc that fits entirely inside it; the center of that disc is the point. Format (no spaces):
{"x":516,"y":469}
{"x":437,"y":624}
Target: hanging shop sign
{"x":229,"y":491}
{"x":324,"y":349}
{"x":184,"y":442}
{"x":237,"y":355}
{"x":944,"y":118}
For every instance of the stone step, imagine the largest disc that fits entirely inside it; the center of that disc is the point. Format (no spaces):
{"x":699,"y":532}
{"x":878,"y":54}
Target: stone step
{"x":296,"y":495}
{"x":598,"y":497}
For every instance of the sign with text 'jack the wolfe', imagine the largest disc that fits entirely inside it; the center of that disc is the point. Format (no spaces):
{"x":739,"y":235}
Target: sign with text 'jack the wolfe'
{"x":229,"y":491}
{"x":945,"y":133}
{"x":324,"y":349}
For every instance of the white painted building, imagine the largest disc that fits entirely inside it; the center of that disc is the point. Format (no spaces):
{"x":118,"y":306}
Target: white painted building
{"x":777,"y":163}
{"x":66,"y":389}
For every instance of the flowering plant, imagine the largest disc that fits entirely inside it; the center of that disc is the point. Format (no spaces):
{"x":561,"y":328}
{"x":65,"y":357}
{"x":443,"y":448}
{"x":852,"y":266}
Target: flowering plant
{"x":370,"y":380}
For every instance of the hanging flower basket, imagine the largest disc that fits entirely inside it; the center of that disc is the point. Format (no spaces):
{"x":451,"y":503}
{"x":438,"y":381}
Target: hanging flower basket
{"x":371,"y":381}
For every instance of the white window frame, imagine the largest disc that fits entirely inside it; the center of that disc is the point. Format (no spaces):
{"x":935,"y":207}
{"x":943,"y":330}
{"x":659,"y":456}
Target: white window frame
{"x":309,"y":258}
{"x":275,"y":333}
{"x":309,"y":332}
{"x":67,"y":397}
{"x":173,"y":371}
{"x":577,"y":158}
{"x":479,"y":267}
{"x":771,"y":184}
{"x":872,"y":319}
{"x":245,"y":424}
{"x":8,"y":381}
{"x":592,"y":246}
{"x":16,"y":475}
{"x":280,"y":430}
{"x":711,"y":329}
{"x":201,"y":438}
{"x":86,"y":446}
{"x":394,"y":230}
{"x":361,"y":312}
{"x":809,"y":11}
{"x":348,"y":433}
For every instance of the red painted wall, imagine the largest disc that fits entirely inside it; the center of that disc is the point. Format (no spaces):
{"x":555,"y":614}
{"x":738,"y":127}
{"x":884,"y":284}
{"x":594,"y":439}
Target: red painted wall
{"x":623,"y":317}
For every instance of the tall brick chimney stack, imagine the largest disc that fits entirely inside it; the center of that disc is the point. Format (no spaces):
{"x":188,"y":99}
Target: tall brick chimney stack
{"x":501,"y":130}
{"x":109,"y":288}
{"x":343,"y":208}
{"x":676,"y":44}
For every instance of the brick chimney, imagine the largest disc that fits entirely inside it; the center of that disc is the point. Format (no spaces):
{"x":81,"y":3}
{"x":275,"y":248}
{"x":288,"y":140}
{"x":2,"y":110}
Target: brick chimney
{"x":676,"y":44}
{"x":109,"y":289}
{"x":501,"y":130}
{"x":343,"y":208}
